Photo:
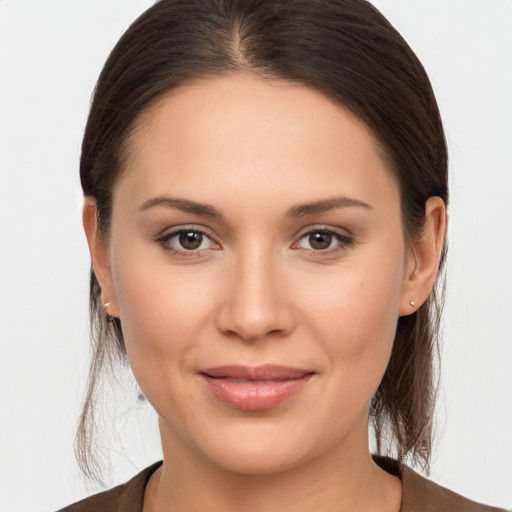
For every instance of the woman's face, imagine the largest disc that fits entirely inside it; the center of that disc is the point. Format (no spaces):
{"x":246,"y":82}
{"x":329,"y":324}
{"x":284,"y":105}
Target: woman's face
{"x":258,"y":265}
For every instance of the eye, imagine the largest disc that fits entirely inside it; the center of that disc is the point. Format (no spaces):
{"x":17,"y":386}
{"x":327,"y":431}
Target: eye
{"x":190,"y":240}
{"x":323,"y":240}
{"x":187,"y":241}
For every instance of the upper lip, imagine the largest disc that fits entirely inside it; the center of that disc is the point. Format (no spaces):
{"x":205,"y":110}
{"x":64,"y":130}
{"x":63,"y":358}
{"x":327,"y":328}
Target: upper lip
{"x":256,"y":373}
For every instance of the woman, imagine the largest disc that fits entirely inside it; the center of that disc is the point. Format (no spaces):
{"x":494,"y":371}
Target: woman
{"x":265,"y":191}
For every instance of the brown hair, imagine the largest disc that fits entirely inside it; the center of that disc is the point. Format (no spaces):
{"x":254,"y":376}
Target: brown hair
{"x":343,"y":48}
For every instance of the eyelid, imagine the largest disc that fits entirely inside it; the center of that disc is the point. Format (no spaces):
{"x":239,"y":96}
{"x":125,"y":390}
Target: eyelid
{"x":344,"y":237}
{"x":170,"y":232}
{"x":326,"y":228}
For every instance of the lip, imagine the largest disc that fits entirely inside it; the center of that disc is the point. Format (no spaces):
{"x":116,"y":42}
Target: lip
{"x":255,"y":388}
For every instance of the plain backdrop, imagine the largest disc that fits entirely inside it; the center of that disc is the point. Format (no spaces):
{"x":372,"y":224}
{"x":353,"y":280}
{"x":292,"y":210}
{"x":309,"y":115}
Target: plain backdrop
{"x":51,"y":53}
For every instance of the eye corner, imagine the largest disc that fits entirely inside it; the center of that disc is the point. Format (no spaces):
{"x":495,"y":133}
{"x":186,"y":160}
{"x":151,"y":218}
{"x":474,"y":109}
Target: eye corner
{"x":329,"y":240}
{"x":174,"y":242}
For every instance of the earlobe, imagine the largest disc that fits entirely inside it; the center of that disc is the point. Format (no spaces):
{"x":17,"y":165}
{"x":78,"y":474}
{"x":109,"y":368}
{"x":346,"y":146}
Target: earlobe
{"x":99,"y":255}
{"x":425,"y":257}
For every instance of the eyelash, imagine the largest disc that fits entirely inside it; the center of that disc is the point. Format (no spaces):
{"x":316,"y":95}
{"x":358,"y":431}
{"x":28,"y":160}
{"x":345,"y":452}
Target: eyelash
{"x":344,"y":241}
{"x":165,"y":242}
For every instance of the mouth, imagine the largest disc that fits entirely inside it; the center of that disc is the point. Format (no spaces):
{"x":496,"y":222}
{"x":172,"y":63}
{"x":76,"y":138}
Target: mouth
{"x":255,"y":388}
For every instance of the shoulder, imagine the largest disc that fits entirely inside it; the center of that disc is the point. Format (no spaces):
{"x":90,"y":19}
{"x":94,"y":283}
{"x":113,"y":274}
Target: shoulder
{"x":127,"y":497}
{"x":423,"y":495}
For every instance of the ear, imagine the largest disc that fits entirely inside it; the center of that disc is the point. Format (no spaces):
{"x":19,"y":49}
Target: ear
{"x":424,"y":257}
{"x":99,"y":256}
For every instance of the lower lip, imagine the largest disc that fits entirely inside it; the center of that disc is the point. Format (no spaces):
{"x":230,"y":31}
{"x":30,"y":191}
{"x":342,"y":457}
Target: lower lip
{"x":255,"y":395}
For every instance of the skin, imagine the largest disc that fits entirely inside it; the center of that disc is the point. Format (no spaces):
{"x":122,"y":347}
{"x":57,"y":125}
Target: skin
{"x":258,"y":291}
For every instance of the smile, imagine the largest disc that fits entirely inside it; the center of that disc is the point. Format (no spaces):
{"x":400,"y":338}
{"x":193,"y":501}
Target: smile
{"x":255,"y":388}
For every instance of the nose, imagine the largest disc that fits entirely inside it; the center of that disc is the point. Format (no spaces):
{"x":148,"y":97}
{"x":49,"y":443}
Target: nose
{"x":256,"y":302}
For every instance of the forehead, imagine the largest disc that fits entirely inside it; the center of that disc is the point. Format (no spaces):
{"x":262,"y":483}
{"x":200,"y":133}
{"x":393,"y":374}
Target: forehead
{"x":241,"y":134}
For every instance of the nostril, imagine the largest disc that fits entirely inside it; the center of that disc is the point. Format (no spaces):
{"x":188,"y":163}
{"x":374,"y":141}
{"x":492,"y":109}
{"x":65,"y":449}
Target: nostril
{"x":254,"y":304}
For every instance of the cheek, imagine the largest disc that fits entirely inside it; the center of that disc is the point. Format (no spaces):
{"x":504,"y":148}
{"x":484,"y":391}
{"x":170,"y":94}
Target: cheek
{"x":161,"y":311}
{"x":354,"y":319}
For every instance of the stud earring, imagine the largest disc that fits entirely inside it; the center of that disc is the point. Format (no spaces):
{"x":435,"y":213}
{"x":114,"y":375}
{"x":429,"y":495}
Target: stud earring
{"x":412,"y":303}
{"x":110,"y":318}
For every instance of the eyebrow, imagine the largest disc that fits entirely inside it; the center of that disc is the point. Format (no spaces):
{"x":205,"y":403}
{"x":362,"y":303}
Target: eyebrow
{"x":299,"y":210}
{"x":324,"y":205}
{"x":185,"y":205}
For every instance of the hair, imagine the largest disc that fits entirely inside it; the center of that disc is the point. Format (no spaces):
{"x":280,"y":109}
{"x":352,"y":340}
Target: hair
{"x":348,"y":51}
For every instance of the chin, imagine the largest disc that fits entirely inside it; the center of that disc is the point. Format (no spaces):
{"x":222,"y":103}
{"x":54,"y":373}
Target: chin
{"x":261,"y":460}
{"x":263,"y":449}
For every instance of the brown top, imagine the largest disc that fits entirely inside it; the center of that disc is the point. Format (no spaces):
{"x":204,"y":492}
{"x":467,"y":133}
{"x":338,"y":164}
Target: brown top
{"x":418,"y":494}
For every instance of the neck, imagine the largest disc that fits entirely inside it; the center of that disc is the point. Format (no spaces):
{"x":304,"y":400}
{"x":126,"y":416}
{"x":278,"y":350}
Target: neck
{"x":345,"y":479}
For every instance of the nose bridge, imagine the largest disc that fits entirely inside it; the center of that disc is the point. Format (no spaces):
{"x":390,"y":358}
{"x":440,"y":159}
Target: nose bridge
{"x":256,"y":303}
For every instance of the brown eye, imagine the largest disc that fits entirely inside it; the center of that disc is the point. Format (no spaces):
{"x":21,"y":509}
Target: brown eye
{"x":187,"y":242}
{"x":190,"y":240}
{"x":320,"y":240}
{"x":324,"y":241}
